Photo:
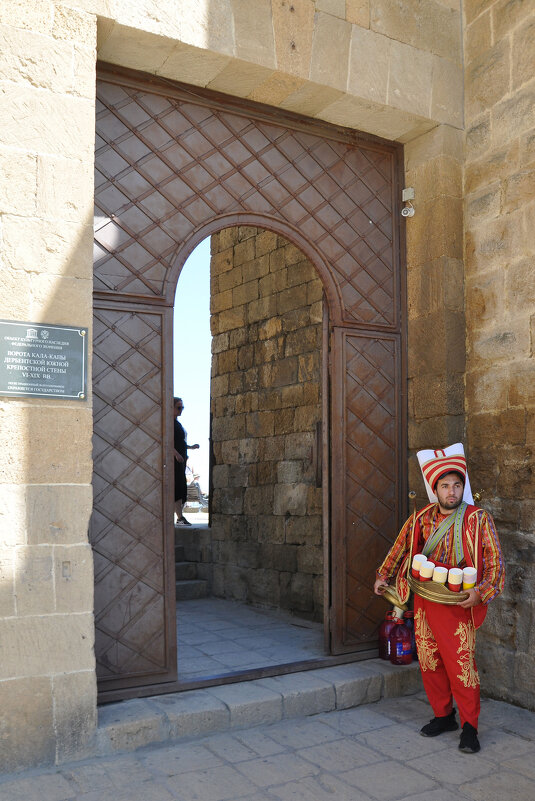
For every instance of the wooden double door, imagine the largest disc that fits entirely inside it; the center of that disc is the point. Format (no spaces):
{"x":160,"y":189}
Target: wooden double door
{"x":175,"y":164}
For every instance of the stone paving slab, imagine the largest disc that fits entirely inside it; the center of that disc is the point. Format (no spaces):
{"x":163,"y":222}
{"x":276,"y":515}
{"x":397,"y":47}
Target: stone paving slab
{"x":370,"y":752}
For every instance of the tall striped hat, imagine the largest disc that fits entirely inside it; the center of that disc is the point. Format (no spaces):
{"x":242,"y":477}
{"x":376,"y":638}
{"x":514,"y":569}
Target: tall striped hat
{"x":435,"y":464}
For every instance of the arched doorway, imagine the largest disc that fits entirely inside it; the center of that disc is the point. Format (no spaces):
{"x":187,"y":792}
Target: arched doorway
{"x":173,"y":166}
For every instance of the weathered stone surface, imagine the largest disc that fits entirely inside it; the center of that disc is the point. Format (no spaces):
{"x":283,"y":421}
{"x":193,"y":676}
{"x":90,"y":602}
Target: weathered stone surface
{"x":46,"y":122}
{"x":75,"y":714}
{"x":413,"y":95}
{"x":488,"y":76}
{"x":26,"y":641}
{"x":293,"y":26}
{"x":330,"y":51}
{"x":433,"y":27}
{"x":369,"y":65}
{"x":28,"y":736}
{"x":358,"y":12}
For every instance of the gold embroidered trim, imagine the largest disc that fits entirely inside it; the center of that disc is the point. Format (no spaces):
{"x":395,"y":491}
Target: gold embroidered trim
{"x":467,"y":644}
{"x":427,"y":647}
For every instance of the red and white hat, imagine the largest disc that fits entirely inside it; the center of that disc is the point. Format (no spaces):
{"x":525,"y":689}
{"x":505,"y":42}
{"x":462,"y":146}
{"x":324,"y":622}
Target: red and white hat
{"x":435,"y":464}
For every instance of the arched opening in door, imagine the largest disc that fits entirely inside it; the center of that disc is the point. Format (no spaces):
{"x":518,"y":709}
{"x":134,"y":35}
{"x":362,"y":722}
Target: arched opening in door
{"x":250,"y":586}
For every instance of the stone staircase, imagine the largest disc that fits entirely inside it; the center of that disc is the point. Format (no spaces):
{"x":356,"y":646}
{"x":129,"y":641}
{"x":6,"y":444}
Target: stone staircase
{"x":192,"y":577}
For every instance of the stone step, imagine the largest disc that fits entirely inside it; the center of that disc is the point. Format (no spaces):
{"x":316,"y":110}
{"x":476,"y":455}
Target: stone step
{"x":185,"y":571}
{"x":188,"y":590}
{"x":128,"y":725}
{"x":180,"y":555}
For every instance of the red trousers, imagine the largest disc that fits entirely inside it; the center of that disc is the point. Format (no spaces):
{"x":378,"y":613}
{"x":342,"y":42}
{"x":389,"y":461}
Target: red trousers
{"x":446,"y":639}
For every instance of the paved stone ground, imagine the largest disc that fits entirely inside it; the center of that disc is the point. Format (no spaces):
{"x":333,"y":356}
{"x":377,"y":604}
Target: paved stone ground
{"x":216,"y":636}
{"x":368,"y":753}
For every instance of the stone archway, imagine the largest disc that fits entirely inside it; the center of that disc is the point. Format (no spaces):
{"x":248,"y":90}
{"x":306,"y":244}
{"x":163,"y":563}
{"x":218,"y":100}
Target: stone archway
{"x":173,"y":165}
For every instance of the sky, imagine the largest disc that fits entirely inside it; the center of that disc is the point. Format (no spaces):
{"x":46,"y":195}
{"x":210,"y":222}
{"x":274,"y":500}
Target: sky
{"x":192,"y":355}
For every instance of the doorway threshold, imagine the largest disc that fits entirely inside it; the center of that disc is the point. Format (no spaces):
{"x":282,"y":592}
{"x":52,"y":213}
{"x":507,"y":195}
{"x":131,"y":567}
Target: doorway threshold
{"x":132,"y":724}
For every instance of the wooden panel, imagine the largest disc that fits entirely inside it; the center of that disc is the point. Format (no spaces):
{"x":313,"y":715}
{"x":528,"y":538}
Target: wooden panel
{"x":366,"y":469}
{"x":166,"y":166}
{"x":135,"y":631}
{"x":172,"y":163}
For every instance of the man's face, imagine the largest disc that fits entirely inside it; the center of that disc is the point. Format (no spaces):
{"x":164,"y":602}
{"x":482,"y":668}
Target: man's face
{"x":449,"y":491}
{"x":178,"y":406}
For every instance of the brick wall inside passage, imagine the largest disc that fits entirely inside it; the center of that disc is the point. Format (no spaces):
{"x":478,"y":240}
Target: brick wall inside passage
{"x":500,"y":315}
{"x":266,"y":312}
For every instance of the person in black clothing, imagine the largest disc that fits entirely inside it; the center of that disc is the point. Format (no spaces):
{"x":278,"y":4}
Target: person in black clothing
{"x":181,"y":457}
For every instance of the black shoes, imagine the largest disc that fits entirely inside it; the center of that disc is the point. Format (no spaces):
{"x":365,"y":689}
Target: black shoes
{"x":469,"y":743}
{"x":183,"y":522}
{"x":440,"y":725}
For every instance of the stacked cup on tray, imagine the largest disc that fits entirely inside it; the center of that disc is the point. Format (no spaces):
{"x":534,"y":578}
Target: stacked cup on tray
{"x":455,"y":578}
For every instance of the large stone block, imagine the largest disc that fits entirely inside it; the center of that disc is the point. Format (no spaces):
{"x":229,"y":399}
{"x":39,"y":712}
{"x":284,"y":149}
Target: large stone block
{"x":19,"y":182}
{"x":504,"y":428}
{"x":478,"y":37}
{"x":518,"y":190}
{"x":494,"y":243}
{"x":53,"y":514}
{"x":358,"y":12}
{"x":413,"y":95}
{"x":447,"y":92}
{"x":75,"y":714}
{"x":281,"y":557}
{"x":516,"y":113}
{"x":27,"y":730}
{"x":46,"y":121}
{"x":253,"y":27}
{"x":34,"y":17}
{"x":61,"y":444}
{"x":507,"y":14}
{"x":478,"y":137}
{"x":62,"y":250}
{"x":369,"y":65}
{"x":73,"y":578}
{"x":487,"y":78}
{"x":46,"y":644}
{"x":34,"y":580}
{"x":498,"y":344}
{"x":290,"y":499}
{"x":487,"y":390}
{"x":330,"y":51}
{"x":431,"y":27}
{"x":258,"y":500}
{"x":54,"y":297}
{"x":522,"y":50}
{"x":436,"y":231}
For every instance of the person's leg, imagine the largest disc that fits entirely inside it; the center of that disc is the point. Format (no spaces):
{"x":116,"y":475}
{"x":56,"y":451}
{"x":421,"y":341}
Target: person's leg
{"x":434,"y":674}
{"x":455,"y":635}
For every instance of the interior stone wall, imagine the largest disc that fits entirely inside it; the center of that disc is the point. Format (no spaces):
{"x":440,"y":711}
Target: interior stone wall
{"x":499,"y":183}
{"x":266,"y":313}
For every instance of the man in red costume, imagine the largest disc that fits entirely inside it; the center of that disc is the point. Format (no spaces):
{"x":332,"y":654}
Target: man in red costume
{"x":453,"y":533}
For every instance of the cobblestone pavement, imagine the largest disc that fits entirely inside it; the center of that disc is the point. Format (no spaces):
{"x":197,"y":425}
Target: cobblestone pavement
{"x":368,"y":753}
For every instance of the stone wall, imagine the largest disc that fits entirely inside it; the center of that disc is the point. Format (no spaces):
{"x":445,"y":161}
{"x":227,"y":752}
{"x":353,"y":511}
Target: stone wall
{"x":266,"y":312}
{"x":499,"y":183}
{"x":47,"y":669}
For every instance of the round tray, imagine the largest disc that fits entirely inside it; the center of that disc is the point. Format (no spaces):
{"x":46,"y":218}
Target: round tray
{"x":393,"y":598}
{"x":433,"y":591}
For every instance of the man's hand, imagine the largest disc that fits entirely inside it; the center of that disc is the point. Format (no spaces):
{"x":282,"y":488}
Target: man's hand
{"x":178,"y":457}
{"x":473,"y":599}
{"x":380,"y":586}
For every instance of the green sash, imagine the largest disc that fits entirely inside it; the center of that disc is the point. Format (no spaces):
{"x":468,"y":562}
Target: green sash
{"x":455,"y":520}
